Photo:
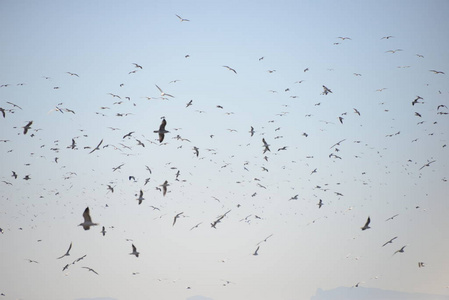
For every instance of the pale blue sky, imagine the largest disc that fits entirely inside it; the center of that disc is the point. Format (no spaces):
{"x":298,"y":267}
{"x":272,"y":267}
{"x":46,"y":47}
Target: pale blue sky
{"x":378,"y":174}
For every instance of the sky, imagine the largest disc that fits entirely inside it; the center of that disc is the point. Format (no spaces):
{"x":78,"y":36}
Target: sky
{"x":374,"y":146}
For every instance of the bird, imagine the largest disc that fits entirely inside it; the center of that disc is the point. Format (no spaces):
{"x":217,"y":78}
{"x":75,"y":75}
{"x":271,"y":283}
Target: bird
{"x":134,"y":251}
{"x":427,"y":165}
{"x":252,"y":131}
{"x":90,"y":269}
{"x":356,"y":111}
{"x":393,"y":51}
{"x":326,"y":90}
{"x":366,"y":226}
{"x":98,"y":147}
{"x":27,"y":127}
{"x":141,"y":198}
{"x":196,"y":226}
{"x":230,"y":69}
{"x":137,"y":66}
{"x":320,"y":203}
{"x":103,"y":231}
{"x":400,"y":250}
{"x":14,"y":174}
{"x":176,"y":217}
{"x":391,"y":218}
{"x":182,"y":20}
{"x":265,"y":144}
{"x":387,"y":37}
{"x":67,"y":252}
{"x":72,"y":74}
{"x":256,"y":252}
{"x":390,"y":241}
{"x":128,"y":135}
{"x":164,"y":187}
{"x":436,"y":72}
{"x":162,"y":130}
{"x":162,"y":92}
{"x":87,"y":220}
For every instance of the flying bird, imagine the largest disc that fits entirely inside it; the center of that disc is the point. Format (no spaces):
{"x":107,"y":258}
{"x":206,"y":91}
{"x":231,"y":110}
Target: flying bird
{"x":27,"y":127}
{"x":162,"y":92}
{"x":182,"y":20}
{"x":176,"y":217}
{"x":366,"y":226}
{"x":87,"y":220}
{"x":67,"y":253}
{"x":162,"y":130}
{"x":390,"y":241}
{"x":98,"y":147}
{"x":164,"y":187}
{"x":230,"y":69}
{"x":141,"y":198}
{"x":400,"y":250}
{"x":134,"y":251}
{"x":90,"y":269}
{"x":256,"y":252}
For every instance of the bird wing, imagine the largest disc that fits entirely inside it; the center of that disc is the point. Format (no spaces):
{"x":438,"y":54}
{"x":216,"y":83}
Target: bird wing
{"x":86,"y":216}
{"x":159,"y":88}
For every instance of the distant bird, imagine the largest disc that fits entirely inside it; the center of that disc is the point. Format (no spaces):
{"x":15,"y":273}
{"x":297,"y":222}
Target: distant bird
{"x":137,"y":66}
{"x":436,"y":72}
{"x":337,"y":144}
{"x":164,"y":187}
{"x":162,"y":92}
{"x":320,"y":203}
{"x":189,"y":103}
{"x":387,"y":37}
{"x":265,"y":144}
{"x":72,"y":74}
{"x":141,"y":198}
{"x":427,"y":165}
{"x":420,"y":55}
{"x":162,"y":130}
{"x":421,"y":264}
{"x":400,"y":250}
{"x":103,"y":231}
{"x":87,"y":220}
{"x":27,"y":127}
{"x":393,"y":51}
{"x":341,"y":119}
{"x":356,"y":111}
{"x":252,"y":131}
{"x":90,"y":269}
{"x":182,"y":20}
{"x":391,"y":218}
{"x":415,"y":101}
{"x":14,"y":174}
{"x":176,"y":217}
{"x":128,"y":135}
{"x":14,"y":105}
{"x":256,"y":252}
{"x":326,"y":90}
{"x":98,"y":147}
{"x":134,"y":251}
{"x":344,"y":38}
{"x":196,"y":226}
{"x":366,"y":226}
{"x":67,"y":253}
{"x":230,"y":69}
{"x":390,"y":241}
{"x":197,"y":151}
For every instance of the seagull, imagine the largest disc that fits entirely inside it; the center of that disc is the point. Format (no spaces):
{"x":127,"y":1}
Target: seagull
{"x":128,"y":134}
{"x":134,"y":251}
{"x":391,"y":218}
{"x":390,"y":241}
{"x":87,"y":220}
{"x":428,"y":164}
{"x":176,"y":217}
{"x":265,"y":144}
{"x":196,"y":226}
{"x":252,"y":131}
{"x":98,"y":146}
{"x":436,"y":72}
{"x":255,"y":252}
{"x":393,"y":51}
{"x":387,"y":37}
{"x":137,"y":66}
{"x":72,"y":74}
{"x":337,"y":144}
{"x":400,"y":250}
{"x":141,"y":198}
{"x":14,"y":105}
{"x":182,"y":20}
{"x":162,"y":92}
{"x":162,"y":131}
{"x":90,"y":269}
{"x":356,"y":111}
{"x":27,"y":127}
{"x":230,"y":69}
{"x":103,"y":231}
{"x":14,"y":174}
{"x":164,"y":187}
{"x":320,"y":203}
{"x":67,"y":253}
{"x":366,"y":226}
{"x":326,"y":90}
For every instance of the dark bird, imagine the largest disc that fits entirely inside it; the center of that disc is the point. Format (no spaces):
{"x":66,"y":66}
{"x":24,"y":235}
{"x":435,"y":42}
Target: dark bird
{"x":27,"y":127}
{"x":176,"y":217}
{"x":67,"y":253}
{"x":134,"y":251}
{"x":90,"y":269}
{"x":98,"y":147}
{"x":162,"y":130}
{"x":141,"y":198}
{"x":390,"y":241}
{"x":230,"y":69}
{"x":428,"y":164}
{"x":256,"y":252}
{"x":128,"y":134}
{"x":326,"y":90}
{"x":400,"y":250}
{"x":366,"y":226}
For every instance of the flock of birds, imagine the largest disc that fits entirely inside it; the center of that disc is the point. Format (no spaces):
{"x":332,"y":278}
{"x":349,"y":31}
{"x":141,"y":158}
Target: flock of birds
{"x":12,"y":110}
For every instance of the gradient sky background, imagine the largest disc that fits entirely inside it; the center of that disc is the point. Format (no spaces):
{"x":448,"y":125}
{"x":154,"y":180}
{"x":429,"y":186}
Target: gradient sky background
{"x":378,"y":174}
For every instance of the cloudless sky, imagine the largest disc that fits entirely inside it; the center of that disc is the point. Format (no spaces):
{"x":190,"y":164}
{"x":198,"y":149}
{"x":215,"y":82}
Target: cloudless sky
{"x":376,"y":171}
